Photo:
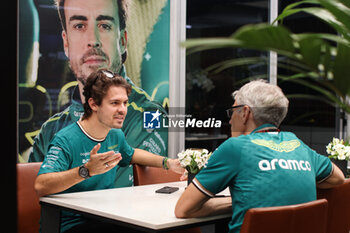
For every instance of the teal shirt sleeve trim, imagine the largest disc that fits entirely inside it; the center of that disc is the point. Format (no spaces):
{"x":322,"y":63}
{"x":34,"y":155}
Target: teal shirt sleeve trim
{"x":222,"y":167}
{"x":324,"y":168}
{"x":126,"y":160}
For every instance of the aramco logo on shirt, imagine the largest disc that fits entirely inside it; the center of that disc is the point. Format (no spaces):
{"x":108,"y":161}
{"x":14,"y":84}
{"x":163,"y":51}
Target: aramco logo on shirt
{"x":266,"y":165}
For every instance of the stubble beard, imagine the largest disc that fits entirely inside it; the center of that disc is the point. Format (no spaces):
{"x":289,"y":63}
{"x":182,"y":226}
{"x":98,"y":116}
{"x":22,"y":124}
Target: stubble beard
{"x":82,"y":75}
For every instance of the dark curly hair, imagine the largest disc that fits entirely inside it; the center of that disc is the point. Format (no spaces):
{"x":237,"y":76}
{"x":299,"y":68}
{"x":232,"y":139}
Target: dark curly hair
{"x":97,"y":86}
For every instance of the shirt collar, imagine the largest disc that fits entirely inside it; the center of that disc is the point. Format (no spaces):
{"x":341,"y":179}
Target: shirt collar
{"x":263,"y":126}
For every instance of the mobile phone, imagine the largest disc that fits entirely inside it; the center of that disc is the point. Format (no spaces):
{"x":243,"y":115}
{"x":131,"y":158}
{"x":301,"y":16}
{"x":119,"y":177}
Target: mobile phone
{"x":167,"y":189}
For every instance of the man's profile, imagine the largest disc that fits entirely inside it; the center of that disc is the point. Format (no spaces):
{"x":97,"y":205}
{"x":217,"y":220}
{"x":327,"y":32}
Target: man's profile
{"x":94,"y":36}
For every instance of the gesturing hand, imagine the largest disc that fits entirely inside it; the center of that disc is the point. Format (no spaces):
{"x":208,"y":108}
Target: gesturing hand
{"x":103,"y":162}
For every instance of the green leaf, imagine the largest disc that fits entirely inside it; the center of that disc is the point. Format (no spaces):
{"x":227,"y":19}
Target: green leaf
{"x":324,"y":36}
{"x":289,"y":10}
{"x":313,"y":97}
{"x":310,"y":49}
{"x":218,"y":67}
{"x":316,"y":57}
{"x":307,"y":114}
{"x":197,"y":45}
{"x":265,"y":37}
{"x":270,"y":38}
{"x":340,"y":11}
{"x":342,"y":70}
{"x":332,"y":97}
{"x":333,"y":17}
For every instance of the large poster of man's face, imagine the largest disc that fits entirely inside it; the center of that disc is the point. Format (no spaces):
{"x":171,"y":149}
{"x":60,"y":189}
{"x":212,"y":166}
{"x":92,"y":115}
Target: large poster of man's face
{"x":62,"y":42}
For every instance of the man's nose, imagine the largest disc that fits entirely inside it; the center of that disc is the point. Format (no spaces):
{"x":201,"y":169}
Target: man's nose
{"x":123,"y":108}
{"x":93,"y":38}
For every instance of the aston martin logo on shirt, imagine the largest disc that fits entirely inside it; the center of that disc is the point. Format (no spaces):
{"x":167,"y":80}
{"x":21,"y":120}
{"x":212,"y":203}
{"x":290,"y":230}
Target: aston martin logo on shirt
{"x":285,"y":146}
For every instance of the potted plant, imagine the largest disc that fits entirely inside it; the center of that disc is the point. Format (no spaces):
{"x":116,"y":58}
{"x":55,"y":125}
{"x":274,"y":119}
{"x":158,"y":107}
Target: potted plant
{"x":193,"y":160}
{"x":339,"y":152}
{"x":312,"y":57}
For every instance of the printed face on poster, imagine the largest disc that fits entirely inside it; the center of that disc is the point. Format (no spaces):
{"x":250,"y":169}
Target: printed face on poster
{"x":60,"y":45}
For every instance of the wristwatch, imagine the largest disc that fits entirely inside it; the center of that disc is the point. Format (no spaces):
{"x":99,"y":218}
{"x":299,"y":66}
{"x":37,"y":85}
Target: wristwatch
{"x":84,"y":172}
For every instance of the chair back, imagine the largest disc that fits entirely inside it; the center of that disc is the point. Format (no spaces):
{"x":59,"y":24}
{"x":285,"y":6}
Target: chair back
{"x":310,"y":217}
{"x":338,"y":207}
{"x":28,"y":207}
{"x":152,"y":175}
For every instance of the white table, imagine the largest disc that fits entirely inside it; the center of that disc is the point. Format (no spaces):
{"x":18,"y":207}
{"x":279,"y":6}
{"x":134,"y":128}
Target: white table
{"x":137,"y":207}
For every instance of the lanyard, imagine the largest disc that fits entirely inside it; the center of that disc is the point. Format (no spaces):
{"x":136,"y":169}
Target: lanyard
{"x":266,"y":128}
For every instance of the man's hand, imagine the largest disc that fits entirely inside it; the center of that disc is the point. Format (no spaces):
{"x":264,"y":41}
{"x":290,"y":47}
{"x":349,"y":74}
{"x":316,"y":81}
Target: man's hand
{"x":174,"y":165}
{"x":103,"y":162}
{"x":146,"y":158}
{"x":55,"y":182}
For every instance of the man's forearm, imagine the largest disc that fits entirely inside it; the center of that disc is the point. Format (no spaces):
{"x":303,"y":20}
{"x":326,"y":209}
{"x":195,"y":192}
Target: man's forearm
{"x":213,"y":206}
{"x":336,"y":178}
{"x":194,"y":203}
{"x":146,"y":158}
{"x":56,"y":182}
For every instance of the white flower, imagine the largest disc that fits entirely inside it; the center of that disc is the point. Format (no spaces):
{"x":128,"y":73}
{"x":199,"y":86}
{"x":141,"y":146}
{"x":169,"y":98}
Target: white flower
{"x":187,"y":161}
{"x":205,"y":151}
{"x":347,"y":152}
{"x":194,"y":160}
{"x":337,"y":150}
{"x":336,"y":141}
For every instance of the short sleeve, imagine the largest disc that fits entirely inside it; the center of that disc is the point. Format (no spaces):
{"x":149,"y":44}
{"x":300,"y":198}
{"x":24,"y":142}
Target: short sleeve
{"x":126,"y":151}
{"x":56,"y":159}
{"x":221,"y":169}
{"x":323,"y":166}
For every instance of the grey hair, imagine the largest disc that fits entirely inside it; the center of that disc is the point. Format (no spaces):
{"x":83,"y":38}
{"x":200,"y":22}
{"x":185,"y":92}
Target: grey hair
{"x":267,"y":101}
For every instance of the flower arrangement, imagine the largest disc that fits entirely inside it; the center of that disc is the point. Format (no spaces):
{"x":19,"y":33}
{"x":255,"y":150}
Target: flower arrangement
{"x":338,"y":149}
{"x":194,"y":159}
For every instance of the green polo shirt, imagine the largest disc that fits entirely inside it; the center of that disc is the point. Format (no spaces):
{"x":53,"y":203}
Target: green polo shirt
{"x":263,"y":170}
{"x":71,"y":148}
{"x":154,"y":141}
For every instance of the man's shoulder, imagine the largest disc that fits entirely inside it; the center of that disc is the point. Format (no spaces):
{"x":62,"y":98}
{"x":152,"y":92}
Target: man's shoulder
{"x":141,"y":101}
{"x":69,"y":133}
{"x":231,"y":146}
{"x":114,"y":132}
{"x":237,"y":141}
{"x":57,"y":117}
{"x":61,"y":119}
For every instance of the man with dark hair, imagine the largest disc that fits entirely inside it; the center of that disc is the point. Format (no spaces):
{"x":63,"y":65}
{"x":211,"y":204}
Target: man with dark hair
{"x":94,"y":36}
{"x":84,"y":155}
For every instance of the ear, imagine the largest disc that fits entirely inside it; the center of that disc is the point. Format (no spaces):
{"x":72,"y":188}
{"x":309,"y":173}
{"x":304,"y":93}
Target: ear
{"x":65,"y":43}
{"x":123,"y":42}
{"x":246,"y":114}
{"x":93,"y":105}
